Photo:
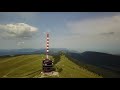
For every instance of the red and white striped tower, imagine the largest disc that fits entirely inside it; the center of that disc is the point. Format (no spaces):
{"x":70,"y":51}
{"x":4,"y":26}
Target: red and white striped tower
{"x":47,"y":46}
{"x":47,"y":63}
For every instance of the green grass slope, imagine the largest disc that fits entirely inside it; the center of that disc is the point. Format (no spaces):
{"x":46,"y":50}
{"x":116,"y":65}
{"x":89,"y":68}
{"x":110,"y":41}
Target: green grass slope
{"x":30,"y":66}
{"x":105,"y":73}
{"x":20,"y":66}
{"x":68,"y":69}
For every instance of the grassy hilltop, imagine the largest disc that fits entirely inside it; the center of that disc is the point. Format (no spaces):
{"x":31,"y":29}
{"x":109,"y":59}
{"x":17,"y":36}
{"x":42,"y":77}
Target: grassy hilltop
{"x":30,"y":66}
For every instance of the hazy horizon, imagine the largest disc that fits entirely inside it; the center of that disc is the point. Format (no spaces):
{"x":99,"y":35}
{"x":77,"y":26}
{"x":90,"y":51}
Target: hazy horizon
{"x":80,"y":31}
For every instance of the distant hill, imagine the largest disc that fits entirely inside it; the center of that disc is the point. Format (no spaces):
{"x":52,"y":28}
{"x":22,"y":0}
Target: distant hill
{"x":4,"y":52}
{"x":98,"y":58}
{"x":105,"y":62}
{"x":53,"y":51}
{"x":17,"y":51}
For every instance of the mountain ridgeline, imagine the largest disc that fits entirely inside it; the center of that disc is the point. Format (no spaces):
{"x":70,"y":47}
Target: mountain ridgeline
{"x":103,"y":64}
{"x":86,"y":64}
{"x":30,"y":66}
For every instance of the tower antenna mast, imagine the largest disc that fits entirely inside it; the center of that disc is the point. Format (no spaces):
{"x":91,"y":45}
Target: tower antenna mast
{"x":47,"y":46}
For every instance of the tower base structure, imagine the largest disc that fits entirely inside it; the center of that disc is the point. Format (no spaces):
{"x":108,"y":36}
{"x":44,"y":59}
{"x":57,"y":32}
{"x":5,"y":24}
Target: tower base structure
{"x":49,"y":74}
{"x":47,"y":65}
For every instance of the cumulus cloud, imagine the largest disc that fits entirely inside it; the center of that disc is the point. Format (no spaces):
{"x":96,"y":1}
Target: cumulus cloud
{"x":17,"y":30}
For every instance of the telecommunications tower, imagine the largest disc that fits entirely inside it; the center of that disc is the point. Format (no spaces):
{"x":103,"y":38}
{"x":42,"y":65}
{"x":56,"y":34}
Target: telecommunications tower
{"x":47,"y":63}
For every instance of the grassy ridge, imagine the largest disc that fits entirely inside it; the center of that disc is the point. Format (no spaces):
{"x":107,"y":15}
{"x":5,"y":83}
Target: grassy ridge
{"x":71,"y":70}
{"x":20,"y":66}
{"x":29,"y":66}
{"x":95,"y":69}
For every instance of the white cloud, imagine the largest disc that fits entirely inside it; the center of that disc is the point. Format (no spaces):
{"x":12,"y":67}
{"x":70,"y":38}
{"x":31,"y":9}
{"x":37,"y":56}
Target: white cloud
{"x":104,"y":30}
{"x":95,"y":26}
{"x":94,"y":34}
{"x":17,"y":30}
{"x":20,"y":43}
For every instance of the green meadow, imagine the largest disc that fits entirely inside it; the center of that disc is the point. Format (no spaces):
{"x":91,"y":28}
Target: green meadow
{"x":30,"y":66}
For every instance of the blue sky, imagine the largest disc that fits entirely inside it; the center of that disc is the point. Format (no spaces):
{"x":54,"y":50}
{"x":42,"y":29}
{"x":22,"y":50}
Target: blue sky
{"x":82,"y":31}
